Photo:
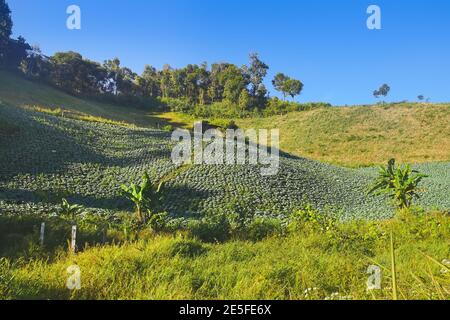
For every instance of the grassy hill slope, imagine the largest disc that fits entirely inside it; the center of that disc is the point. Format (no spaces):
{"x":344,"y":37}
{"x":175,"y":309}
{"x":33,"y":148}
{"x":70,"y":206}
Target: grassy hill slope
{"x":358,"y":136}
{"x":19,"y":92}
{"x":363,"y":136}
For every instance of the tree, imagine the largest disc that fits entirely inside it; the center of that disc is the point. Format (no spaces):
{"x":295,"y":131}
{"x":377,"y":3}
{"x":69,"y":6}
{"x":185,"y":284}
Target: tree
{"x":256,"y":72}
{"x":244,"y":100}
{"x":287,"y":86}
{"x":400,"y":183}
{"x":65,"y":67}
{"x":261,"y":96}
{"x":294,"y":87}
{"x":150,"y":82}
{"x":216,"y":87}
{"x":166,"y":81}
{"x":421,"y":97}
{"x":36,"y":64}
{"x":226,"y":82}
{"x":279,"y":83}
{"x":233,"y":88}
{"x":16,"y":52}
{"x":128,"y":82}
{"x":5,"y":28}
{"x":72,"y":73}
{"x":113,"y":72}
{"x":382,"y":91}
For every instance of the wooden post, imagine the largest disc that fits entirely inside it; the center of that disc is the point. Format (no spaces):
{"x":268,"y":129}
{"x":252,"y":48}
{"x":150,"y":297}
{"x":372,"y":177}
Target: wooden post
{"x":73,"y":244}
{"x":42,"y":234}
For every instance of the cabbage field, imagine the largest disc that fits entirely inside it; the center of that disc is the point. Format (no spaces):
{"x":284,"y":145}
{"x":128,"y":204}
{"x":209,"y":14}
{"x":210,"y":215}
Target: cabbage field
{"x":47,"y":158}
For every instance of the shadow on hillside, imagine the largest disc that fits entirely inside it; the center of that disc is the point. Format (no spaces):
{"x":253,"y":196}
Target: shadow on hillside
{"x":55,"y":197}
{"x":179,"y":200}
{"x":143,"y":157}
{"x":160,"y":122}
{"x":175,"y":200}
{"x":39,"y":148}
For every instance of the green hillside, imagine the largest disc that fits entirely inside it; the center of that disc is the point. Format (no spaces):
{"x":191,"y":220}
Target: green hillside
{"x":54,"y":157}
{"x":358,"y":136}
{"x":44,"y":158}
{"x":18,"y":92}
{"x":365,"y":135}
{"x":347,"y":136}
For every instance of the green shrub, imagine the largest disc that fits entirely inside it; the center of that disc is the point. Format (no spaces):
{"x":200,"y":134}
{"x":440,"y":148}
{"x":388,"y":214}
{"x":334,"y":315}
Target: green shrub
{"x":187,"y":248}
{"x":225,"y":124}
{"x":211,"y":229}
{"x":159,"y":222}
{"x":177,"y":105}
{"x":309,"y":217}
{"x":261,"y":228}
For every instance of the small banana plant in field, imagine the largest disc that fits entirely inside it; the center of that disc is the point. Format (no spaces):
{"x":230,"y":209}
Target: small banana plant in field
{"x":400,"y":183}
{"x":139,"y":195}
{"x":70,"y":212}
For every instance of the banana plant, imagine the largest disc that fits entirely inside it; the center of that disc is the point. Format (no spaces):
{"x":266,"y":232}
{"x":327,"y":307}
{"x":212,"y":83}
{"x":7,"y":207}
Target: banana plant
{"x":139,"y":195}
{"x":70,"y":211}
{"x":400,"y":183}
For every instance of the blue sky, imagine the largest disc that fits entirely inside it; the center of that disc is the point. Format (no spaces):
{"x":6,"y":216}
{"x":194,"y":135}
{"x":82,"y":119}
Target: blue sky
{"x":325,"y":43}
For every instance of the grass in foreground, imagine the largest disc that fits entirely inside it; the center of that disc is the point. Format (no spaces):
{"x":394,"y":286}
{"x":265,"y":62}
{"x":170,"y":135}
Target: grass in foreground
{"x":310,"y":262}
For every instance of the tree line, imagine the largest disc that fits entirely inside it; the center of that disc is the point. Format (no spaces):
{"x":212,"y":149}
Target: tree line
{"x":197,"y":85}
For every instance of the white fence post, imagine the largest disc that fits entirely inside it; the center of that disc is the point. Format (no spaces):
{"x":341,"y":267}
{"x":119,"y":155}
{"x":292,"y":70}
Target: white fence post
{"x":42,"y":234}
{"x":73,"y":244}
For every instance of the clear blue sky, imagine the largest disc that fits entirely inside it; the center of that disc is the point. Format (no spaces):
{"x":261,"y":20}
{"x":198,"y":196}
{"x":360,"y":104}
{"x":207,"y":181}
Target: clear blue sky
{"x":325,"y":43}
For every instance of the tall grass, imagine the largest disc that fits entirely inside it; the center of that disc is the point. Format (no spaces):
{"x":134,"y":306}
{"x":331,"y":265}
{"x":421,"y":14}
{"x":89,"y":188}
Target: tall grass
{"x":394,"y":269}
{"x":310,"y":262}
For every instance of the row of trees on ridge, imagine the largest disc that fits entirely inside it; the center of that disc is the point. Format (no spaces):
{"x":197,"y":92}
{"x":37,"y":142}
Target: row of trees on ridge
{"x":199,"y":84}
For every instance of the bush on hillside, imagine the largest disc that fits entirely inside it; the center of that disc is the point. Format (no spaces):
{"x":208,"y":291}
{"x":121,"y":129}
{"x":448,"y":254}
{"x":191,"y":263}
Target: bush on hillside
{"x":211,"y":229}
{"x":261,"y":228}
{"x":176,"y":105}
{"x":276,"y":106}
{"x":187,"y":248}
